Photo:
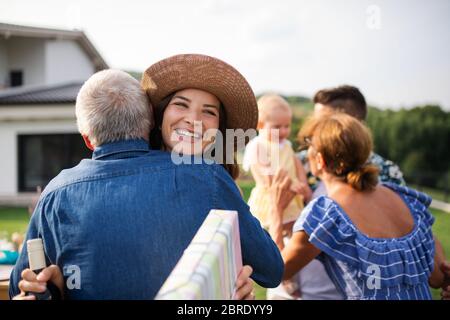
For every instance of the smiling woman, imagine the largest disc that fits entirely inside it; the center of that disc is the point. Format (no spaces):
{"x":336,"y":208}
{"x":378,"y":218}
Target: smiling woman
{"x":196,"y":97}
{"x":186,"y":118}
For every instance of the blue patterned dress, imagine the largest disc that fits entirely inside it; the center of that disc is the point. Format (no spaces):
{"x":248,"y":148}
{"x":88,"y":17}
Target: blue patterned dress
{"x":373,"y":268}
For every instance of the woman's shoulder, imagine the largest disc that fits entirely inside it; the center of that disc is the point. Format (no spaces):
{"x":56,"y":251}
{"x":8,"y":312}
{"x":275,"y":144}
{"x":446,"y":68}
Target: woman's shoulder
{"x":409,"y":193}
{"x":324,"y":212}
{"x":418,"y":202}
{"x":321,"y":204}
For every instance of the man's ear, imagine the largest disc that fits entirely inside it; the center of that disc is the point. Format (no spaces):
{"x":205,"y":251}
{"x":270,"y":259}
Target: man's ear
{"x":87,"y":142}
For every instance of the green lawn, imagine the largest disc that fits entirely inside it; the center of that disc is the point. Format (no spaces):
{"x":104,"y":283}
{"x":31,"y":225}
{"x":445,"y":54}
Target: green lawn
{"x":246,"y":187}
{"x":13,"y":219}
{"x":441,"y":230}
{"x":434,"y":193}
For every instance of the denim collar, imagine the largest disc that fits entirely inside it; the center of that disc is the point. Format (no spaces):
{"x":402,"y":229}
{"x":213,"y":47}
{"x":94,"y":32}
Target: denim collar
{"x":121,"y":149}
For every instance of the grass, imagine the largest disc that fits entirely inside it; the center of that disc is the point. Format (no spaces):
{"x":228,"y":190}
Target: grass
{"x":16,"y":219}
{"x":13,"y":220}
{"x":434,"y":193}
{"x":441,"y":229}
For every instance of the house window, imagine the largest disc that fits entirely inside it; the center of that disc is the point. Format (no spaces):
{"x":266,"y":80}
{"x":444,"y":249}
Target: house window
{"x":16,"y":78}
{"x":42,"y":157}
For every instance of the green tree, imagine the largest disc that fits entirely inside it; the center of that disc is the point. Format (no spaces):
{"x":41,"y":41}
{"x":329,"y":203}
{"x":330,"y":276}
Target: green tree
{"x":416,"y":139}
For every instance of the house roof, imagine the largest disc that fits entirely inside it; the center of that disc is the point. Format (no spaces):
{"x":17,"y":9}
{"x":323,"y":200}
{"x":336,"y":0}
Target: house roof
{"x":49,"y":94}
{"x":11,"y":30}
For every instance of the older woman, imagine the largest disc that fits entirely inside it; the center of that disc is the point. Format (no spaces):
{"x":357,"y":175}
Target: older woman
{"x":374,"y":240}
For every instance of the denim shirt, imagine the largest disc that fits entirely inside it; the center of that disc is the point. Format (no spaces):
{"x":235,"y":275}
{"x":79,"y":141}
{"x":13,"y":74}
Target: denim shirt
{"x":121,"y":221}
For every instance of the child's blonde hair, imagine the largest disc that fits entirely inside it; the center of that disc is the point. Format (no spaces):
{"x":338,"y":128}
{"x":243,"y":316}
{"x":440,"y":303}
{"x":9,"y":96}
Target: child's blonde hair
{"x":269,"y":103}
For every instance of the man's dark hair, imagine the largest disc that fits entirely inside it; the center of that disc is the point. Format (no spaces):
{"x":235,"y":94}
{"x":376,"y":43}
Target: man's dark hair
{"x":345,"y":98}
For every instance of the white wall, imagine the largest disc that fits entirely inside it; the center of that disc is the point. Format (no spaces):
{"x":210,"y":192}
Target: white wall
{"x":44,"y":61}
{"x":66,"y":61}
{"x":27,"y":54}
{"x":63,"y":121}
{"x":4,"y":72}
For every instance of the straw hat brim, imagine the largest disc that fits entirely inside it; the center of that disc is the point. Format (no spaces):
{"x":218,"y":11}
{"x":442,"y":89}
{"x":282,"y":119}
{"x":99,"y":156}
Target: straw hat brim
{"x":205,"y":73}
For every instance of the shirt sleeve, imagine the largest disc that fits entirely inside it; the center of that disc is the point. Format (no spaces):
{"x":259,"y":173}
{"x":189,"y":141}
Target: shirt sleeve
{"x":22,"y":261}
{"x":392,"y":174}
{"x":37,"y":228}
{"x":258,"y":249}
{"x":389,"y":171}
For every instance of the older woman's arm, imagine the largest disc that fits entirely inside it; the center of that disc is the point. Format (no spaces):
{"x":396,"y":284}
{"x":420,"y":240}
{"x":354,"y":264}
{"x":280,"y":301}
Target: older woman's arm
{"x":298,"y":253}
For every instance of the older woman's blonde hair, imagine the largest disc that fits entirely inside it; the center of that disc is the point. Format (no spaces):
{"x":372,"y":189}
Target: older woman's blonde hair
{"x":112,"y":106}
{"x":345,"y":144}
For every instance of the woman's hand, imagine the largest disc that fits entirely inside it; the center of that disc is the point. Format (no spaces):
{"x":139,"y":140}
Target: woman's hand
{"x":244,"y":285}
{"x":297,"y":187}
{"x":38,"y":283}
{"x":280,"y":190}
{"x":281,"y":195}
{"x":303,"y":189}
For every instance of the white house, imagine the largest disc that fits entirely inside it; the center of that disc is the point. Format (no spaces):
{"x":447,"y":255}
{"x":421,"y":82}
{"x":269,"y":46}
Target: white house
{"x":41,"y":71}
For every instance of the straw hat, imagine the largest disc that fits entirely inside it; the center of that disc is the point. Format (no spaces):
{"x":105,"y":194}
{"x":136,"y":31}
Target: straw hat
{"x":205,"y":73}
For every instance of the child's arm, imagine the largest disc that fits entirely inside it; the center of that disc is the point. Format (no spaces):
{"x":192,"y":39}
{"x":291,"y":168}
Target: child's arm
{"x":305,"y":190}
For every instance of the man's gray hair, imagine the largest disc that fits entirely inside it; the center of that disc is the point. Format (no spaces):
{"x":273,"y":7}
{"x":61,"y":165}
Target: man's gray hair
{"x":112,"y":106}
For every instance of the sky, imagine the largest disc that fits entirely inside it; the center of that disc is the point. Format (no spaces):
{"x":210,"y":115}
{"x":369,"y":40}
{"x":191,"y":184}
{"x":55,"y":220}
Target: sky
{"x":396,"y":51}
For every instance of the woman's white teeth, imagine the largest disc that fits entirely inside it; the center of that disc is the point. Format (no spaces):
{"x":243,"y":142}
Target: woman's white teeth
{"x":182,"y":132}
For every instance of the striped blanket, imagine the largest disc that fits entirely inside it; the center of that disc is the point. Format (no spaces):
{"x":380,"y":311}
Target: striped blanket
{"x":209,"y":266}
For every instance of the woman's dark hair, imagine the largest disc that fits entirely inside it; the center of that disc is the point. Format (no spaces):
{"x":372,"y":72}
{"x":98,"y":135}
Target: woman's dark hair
{"x":156,"y":139}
